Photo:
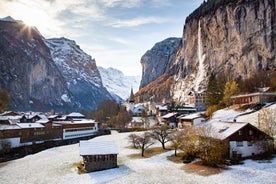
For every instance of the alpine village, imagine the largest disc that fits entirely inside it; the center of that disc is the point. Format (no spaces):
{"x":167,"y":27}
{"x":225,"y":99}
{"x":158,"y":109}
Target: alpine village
{"x":206,"y":102}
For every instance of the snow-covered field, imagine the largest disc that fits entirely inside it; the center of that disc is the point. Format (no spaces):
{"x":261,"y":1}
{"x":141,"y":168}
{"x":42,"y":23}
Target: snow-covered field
{"x":57,"y":165}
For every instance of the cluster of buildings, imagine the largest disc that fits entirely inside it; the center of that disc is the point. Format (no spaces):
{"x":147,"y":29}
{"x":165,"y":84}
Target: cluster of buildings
{"x":18,"y":129}
{"x":243,"y":138}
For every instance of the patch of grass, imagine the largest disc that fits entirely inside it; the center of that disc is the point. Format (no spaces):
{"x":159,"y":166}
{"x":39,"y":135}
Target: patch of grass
{"x":149,"y":153}
{"x":197,"y":168}
{"x":176,"y":159}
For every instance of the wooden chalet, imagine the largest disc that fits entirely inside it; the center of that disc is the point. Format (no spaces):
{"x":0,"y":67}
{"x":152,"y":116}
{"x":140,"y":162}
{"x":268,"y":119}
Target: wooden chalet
{"x":98,"y":155}
{"x":170,"y":119}
{"x":244,"y":139}
{"x":190,"y":120}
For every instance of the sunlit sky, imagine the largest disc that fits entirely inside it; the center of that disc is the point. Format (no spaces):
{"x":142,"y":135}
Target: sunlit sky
{"x":114,"y":32}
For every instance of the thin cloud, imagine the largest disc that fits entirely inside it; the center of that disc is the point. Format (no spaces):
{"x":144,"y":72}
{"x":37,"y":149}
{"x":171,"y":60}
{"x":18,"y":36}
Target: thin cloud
{"x":121,"y":3}
{"x":137,"y":22}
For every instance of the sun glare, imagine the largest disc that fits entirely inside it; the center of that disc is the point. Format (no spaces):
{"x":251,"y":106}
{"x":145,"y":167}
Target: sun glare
{"x":32,"y":17}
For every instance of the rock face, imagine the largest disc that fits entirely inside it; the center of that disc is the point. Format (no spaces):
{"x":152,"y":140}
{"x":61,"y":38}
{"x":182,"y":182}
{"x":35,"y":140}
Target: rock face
{"x":155,"y":61}
{"x":27,"y":70}
{"x":44,"y":74}
{"x":79,"y":71}
{"x":234,"y":37}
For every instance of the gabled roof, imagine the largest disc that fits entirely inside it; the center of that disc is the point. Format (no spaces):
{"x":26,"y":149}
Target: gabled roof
{"x":75,"y":114}
{"x":225,"y":129}
{"x":98,"y":148}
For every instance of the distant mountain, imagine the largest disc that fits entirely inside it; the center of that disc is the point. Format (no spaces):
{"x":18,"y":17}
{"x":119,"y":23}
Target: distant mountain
{"x":42,"y":74}
{"x":117,"y":83}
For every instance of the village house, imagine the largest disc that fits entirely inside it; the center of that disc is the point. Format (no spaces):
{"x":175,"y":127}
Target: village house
{"x":198,"y":100}
{"x":254,"y":98}
{"x":244,"y":139}
{"x":15,"y":133}
{"x":170,"y":119}
{"x":190,"y":120}
{"x":98,"y":155}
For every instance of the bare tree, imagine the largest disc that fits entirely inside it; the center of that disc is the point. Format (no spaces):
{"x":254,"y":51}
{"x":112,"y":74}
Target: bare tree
{"x":133,"y":139}
{"x":144,"y":141}
{"x":161,"y":134}
{"x":176,"y":138}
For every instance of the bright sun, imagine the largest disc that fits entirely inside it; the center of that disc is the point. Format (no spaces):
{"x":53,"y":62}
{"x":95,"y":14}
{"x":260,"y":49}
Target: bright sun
{"x":32,"y":17}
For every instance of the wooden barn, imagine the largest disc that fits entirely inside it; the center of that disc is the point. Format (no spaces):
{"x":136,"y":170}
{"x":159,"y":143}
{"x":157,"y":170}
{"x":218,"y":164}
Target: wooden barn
{"x":98,"y":155}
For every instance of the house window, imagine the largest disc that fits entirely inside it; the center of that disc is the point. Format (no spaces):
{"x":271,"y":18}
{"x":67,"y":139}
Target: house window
{"x":249,"y":143}
{"x":239,"y":143}
{"x":250,"y":132}
{"x":240,"y":132}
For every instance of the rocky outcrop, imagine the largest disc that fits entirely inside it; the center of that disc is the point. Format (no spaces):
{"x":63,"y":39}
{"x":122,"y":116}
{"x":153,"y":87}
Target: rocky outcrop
{"x":80,"y":72}
{"x":27,"y":70}
{"x":156,"y":60}
{"x":233,"y":37}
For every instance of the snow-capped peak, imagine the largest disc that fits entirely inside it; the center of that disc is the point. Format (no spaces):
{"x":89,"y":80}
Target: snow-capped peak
{"x":117,"y":83}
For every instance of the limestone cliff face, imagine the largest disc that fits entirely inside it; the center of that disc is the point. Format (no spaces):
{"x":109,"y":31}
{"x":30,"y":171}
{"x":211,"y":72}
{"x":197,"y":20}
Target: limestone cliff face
{"x":27,"y":71}
{"x":234,"y":37}
{"x":156,"y":60}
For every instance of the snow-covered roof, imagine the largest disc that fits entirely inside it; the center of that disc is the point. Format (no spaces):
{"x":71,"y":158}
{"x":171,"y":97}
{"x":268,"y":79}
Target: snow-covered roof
{"x":42,"y":121}
{"x":254,"y":94}
{"x":75,"y":114}
{"x":98,"y":148}
{"x":10,"y":117}
{"x":30,"y":125}
{"x":190,"y":116}
{"x":171,"y":114}
{"x":222,"y":130}
{"x":8,"y":127}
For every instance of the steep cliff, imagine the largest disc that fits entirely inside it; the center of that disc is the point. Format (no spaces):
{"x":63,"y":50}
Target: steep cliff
{"x":80,"y":72}
{"x":27,"y":70}
{"x":155,"y":61}
{"x":233,"y":37}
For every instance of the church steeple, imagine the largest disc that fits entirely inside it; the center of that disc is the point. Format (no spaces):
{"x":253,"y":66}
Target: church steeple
{"x":131,"y":98}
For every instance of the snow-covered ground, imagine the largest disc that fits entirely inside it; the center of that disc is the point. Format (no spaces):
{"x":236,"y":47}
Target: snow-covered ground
{"x":57,"y":165}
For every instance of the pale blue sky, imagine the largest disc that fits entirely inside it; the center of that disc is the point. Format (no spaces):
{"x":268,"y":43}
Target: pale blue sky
{"x":114,"y":32}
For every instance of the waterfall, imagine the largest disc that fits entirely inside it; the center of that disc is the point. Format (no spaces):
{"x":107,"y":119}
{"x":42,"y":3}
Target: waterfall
{"x":201,"y":73}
